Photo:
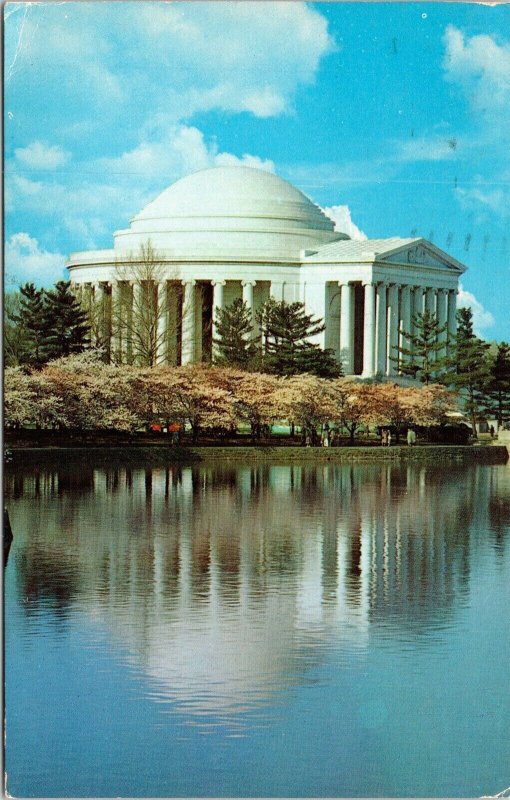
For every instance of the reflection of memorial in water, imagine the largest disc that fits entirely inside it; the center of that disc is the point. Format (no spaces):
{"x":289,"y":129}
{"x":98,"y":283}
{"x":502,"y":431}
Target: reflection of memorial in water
{"x":227,"y":584}
{"x":499,"y":509}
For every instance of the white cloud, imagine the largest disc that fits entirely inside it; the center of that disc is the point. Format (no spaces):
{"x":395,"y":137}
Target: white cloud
{"x":486,"y":196}
{"x":481,"y":66}
{"x":232,"y":53}
{"x":428,"y":148}
{"x":41,"y":156}
{"x":481,"y":317}
{"x":104,"y":193}
{"x":341,"y":216}
{"x":26,"y":261}
{"x":229,"y":160}
{"x":181,"y":149}
{"x":67,"y":49}
{"x":178,"y":58}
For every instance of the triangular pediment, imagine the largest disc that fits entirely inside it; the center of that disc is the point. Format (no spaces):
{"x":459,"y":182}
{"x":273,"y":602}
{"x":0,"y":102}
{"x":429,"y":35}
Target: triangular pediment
{"x":421,"y":254}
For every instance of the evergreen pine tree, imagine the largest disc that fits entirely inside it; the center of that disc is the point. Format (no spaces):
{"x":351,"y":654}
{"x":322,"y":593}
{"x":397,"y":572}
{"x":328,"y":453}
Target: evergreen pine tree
{"x":29,"y":318}
{"x":286,"y":329}
{"x":469,"y":367}
{"x":234,"y":344}
{"x":66,"y":326}
{"x":421,"y":359}
{"x":499,"y":383}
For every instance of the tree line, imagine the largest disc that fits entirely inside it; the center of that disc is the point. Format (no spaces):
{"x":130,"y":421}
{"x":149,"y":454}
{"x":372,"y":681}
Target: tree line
{"x":81,"y":392}
{"x":44,"y":325}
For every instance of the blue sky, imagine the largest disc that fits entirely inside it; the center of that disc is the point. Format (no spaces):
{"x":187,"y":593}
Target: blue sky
{"x":394,"y":116}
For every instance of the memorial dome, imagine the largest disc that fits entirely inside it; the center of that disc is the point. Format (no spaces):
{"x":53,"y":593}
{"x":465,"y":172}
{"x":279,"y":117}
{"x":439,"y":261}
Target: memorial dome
{"x":238,"y":212}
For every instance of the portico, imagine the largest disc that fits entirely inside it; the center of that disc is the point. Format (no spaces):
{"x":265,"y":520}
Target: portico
{"x":237,"y":232}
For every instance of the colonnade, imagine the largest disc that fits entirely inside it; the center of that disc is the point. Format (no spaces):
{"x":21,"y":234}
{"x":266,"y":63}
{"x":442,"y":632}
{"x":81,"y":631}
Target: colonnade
{"x":387,"y":316}
{"x":166,"y":314}
{"x":374,"y":318}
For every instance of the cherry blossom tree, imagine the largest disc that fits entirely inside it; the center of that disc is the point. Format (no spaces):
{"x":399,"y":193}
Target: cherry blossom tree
{"x":255,"y":396}
{"x":305,"y":400}
{"x":353,"y":405}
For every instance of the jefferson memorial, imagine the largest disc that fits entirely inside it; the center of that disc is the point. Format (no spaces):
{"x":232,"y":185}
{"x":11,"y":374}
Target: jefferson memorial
{"x":238,"y":232}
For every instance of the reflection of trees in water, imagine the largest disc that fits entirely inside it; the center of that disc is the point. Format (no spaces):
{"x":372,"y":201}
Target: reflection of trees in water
{"x":498,"y":510}
{"x":45,"y":579}
{"x":37,"y":481}
{"x":227,"y":583}
{"x":392,"y":541}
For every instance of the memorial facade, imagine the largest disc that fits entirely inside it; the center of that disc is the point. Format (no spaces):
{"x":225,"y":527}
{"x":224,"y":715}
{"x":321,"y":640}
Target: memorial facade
{"x":239,"y":232}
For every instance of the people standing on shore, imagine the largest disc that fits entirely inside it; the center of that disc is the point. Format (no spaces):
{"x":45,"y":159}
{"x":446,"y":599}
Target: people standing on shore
{"x":411,"y":437}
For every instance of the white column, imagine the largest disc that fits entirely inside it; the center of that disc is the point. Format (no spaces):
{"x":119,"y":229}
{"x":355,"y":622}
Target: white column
{"x":188,"y":323}
{"x":248,"y":297}
{"x":117,"y":322}
{"x":369,"y":331}
{"x":442,"y":317}
{"x":346,"y":328}
{"x":381,"y":328}
{"x":162,"y":314}
{"x":393,"y":328}
{"x":405,"y":316}
{"x":430,"y":300}
{"x":99,"y":313}
{"x":217,"y":303}
{"x":417,"y":301}
{"x":452,"y":318}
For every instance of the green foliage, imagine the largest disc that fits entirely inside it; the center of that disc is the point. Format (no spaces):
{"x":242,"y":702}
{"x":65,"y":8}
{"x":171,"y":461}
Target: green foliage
{"x":30,"y":329}
{"x":66,"y":327}
{"x":286,"y":349}
{"x":422,"y":359}
{"x":499,"y":383}
{"x":41,"y":325}
{"x":234,"y":343}
{"x":469,"y":367}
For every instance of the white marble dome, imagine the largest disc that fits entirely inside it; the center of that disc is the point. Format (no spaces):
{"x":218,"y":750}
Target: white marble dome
{"x":229,"y":212}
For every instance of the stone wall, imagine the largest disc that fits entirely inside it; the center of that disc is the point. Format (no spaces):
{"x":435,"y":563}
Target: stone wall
{"x":164,"y":455}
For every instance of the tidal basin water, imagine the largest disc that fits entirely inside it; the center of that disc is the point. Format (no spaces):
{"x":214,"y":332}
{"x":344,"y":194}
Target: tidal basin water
{"x":328,"y":630}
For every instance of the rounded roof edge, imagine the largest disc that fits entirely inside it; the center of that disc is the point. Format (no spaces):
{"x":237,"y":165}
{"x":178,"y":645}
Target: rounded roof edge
{"x":233,"y":192}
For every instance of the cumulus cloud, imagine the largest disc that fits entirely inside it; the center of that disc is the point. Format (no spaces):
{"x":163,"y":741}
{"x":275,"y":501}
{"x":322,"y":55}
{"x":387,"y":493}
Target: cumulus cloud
{"x":47,"y":39}
{"x":229,"y":160}
{"x":105,"y":193}
{"x":157,"y":57}
{"x":128,"y":101}
{"x":481,"y":317}
{"x":41,"y":156}
{"x":26,"y":261}
{"x":341,"y":216}
{"x":481,"y":66}
{"x":231,"y":53}
{"x":495,"y":198}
